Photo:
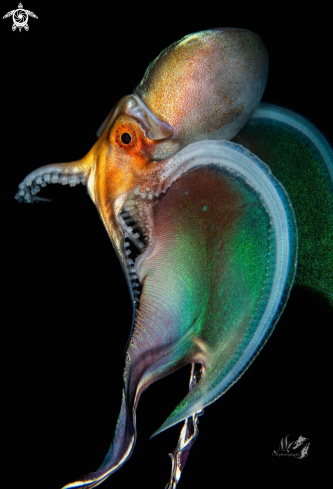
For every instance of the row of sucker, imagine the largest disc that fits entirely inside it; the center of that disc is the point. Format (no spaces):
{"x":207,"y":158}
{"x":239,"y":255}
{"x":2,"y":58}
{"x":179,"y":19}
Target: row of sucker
{"x":32,"y":184}
{"x":135,"y":233}
{"x":131,"y":222}
{"x":135,"y":284}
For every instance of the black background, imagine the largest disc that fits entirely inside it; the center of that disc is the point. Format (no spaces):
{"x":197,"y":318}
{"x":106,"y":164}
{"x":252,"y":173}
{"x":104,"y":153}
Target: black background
{"x":67,"y":314}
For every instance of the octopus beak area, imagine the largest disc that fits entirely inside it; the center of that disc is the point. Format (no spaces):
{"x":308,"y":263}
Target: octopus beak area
{"x":70,"y":174}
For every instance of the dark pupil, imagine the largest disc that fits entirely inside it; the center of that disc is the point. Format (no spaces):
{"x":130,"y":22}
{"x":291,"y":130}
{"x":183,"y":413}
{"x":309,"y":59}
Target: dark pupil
{"x":126,"y":138}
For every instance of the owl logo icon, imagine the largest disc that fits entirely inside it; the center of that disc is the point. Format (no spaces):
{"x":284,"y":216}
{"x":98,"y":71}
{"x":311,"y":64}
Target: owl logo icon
{"x":20,"y":17}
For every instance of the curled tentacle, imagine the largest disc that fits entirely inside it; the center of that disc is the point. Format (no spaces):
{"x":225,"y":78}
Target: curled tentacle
{"x":64,"y":173}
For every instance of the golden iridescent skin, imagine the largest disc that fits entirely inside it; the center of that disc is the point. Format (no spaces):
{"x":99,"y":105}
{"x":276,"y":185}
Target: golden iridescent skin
{"x":207,"y":85}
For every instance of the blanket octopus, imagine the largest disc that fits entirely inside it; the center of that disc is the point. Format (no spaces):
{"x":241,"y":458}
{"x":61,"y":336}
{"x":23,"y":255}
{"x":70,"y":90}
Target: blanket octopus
{"x":211,"y":201}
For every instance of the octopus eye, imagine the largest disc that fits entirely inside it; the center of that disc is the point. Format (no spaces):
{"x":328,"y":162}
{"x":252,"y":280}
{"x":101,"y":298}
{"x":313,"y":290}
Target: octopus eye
{"x":126,"y":138}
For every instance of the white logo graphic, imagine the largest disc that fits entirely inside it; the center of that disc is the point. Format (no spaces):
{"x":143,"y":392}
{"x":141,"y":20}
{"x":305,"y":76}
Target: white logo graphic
{"x":20,"y":17}
{"x":298,"y":449}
